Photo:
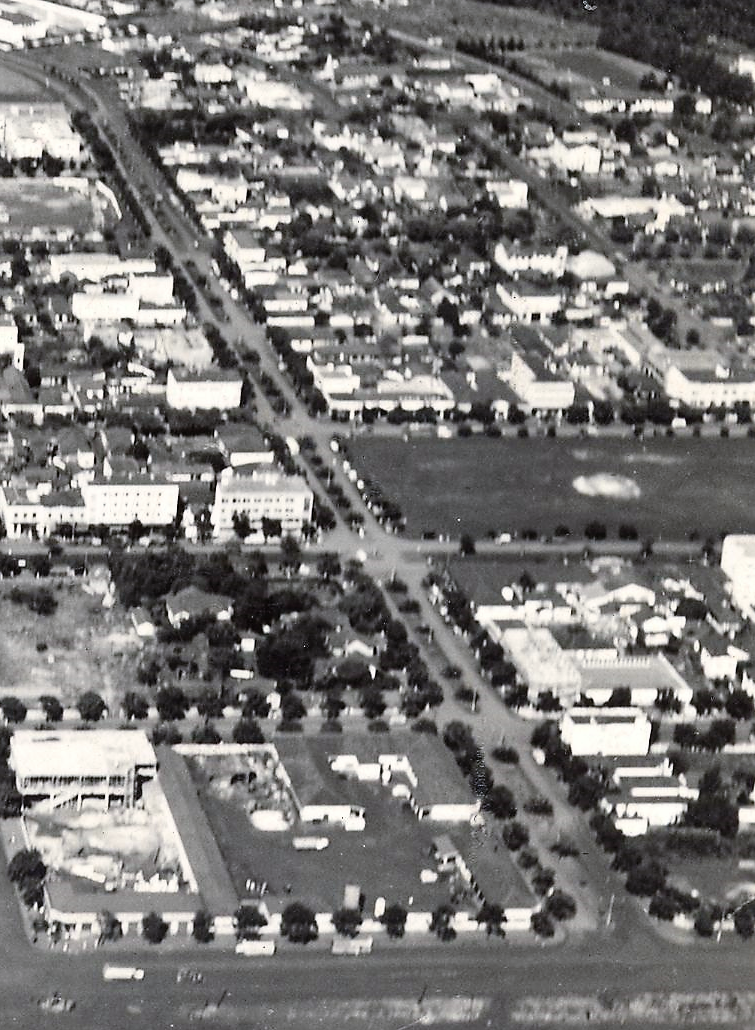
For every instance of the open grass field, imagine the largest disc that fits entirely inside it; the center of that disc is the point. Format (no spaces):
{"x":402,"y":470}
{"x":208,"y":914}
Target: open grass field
{"x":452,"y":18}
{"x":77,"y":648}
{"x":624,"y":74}
{"x":14,"y":86}
{"x":667,"y":487}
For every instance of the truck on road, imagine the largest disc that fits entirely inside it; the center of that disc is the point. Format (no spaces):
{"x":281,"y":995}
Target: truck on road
{"x":353,"y":946}
{"x":255,"y":948}
{"x":110,"y":972}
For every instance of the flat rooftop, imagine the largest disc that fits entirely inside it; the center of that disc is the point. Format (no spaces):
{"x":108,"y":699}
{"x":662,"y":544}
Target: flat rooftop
{"x":206,"y":861}
{"x":79,"y":752}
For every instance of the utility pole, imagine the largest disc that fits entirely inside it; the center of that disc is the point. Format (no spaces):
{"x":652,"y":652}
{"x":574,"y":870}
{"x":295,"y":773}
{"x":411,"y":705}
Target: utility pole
{"x":610,"y":910}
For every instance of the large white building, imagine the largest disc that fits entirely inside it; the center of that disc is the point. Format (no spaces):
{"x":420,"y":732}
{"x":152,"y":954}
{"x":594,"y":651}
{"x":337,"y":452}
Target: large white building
{"x":606,"y":731}
{"x":66,"y":768}
{"x":119,"y":501}
{"x":703,"y":388}
{"x":541,"y":663}
{"x":30,"y":130}
{"x":212,"y":388}
{"x":93,"y":268}
{"x":261,"y":495}
{"x":738,"y":563}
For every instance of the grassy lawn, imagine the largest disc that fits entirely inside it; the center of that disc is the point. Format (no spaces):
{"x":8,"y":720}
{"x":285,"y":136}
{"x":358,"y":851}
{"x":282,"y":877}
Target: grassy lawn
{"x":597,"y":65}
{"x":452,"y":18}
{"x":507,"y":485}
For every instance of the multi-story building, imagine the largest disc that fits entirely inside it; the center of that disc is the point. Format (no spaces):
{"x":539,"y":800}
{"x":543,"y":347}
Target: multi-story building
{"x":30,"y":130}
{"x":212,"y":388}
{"x":119,"y":501}
{"x":62,"y":769}
{"x":261,"y":495}
{"x":738,"y":564}
{"x":606,"y":731}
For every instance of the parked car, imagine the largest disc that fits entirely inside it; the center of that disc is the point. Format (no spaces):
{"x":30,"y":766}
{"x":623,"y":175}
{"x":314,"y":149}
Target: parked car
{"x":192,"y":976}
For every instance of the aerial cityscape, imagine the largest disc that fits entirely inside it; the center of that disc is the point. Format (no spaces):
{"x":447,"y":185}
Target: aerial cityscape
{"x":377,"y":514}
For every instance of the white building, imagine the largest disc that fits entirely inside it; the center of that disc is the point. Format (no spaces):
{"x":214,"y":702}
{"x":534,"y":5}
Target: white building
{"x":94,"y":268}
{"x":104,"y":306}
{"x":539,"y":387}
{"x":119,"y":501}
{"x":64,"y":767}
{"x":9,"y":342}
{"x":212,"y":388}
{"x":606,"y":731}
{"x":738,"y":564}
{"x":30,"y":130}
{"x":261,"y":495}
{"x":541,"y":663}
{"x":529,"y":302}
{"x":703,"y":388}
{"x":510,"y":193}
{"x":514,"y":260}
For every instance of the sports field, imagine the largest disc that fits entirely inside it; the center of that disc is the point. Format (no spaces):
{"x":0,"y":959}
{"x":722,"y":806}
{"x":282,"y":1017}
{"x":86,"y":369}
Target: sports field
{"x":666,"y":488}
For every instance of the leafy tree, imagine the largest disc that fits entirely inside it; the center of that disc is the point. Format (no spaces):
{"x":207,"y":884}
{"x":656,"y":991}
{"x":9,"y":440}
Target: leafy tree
{"x":744,"y":922}
{"x":493,"y":916}
{"x":298,"y":923}
{"x":172,"y":703}
{"x":705,"y":924}
{"x":13,"y":709}
{"x":739,"y":704}
{"x":646,"y":878}
{"x":515,"y":835}
{"x":26,"y":866}
{"x":249,"y":921}
{"x":110,"y":927}
{"x":440,"y":923}
{"x":329,"y":566}
{"x":663,"y":906}
{"x":542,"y":924}
{"x":242,"y":527}
{"x":347,"y":921}
{"x":135,"y":705}
{"x":394,"y":920}
{"x":256,"y":705}
{"x":202,"y":930}
{"x":560,"y":905}
{"x":154,"y":928}
{"x":466,"y":545}
{"x":248,"y":731}
{"x":52,"y":708}
{"x":210,"y":705}
{"x":91,"y":706}
{"x":205,"y":734}
{"x":595,"y":530}
{"x":543,"y":880}
{"x":499,"y":801}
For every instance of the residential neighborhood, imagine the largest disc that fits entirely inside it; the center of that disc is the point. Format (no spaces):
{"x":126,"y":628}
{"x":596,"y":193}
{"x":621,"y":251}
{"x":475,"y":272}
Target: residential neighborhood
{"x":376,"y":515}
